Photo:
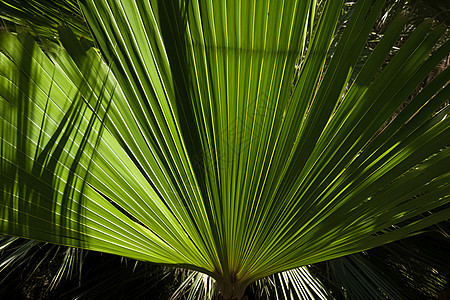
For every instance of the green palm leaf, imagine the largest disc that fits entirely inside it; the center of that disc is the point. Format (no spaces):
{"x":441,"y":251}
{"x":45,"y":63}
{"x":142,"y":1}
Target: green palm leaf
{"x":193,"y":141}
{"x":42,"y":18}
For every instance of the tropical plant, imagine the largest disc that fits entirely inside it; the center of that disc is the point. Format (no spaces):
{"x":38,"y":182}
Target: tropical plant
{"x":187,"y":137}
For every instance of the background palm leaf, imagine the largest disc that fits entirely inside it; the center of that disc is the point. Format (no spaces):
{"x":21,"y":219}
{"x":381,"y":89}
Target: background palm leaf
{"x":42,"y":18}
{"x":196,"y":143}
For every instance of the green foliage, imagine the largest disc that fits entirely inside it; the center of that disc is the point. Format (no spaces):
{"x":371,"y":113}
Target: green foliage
{"x":42,"y":18}
{"x":192,"y":140}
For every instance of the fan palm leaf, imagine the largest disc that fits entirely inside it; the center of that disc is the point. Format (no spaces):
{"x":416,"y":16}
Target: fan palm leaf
{"x":42,"y":18}
{"x":192,"y":140}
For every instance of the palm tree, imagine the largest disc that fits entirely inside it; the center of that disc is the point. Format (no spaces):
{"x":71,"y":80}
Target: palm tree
{"x":186,"y":137}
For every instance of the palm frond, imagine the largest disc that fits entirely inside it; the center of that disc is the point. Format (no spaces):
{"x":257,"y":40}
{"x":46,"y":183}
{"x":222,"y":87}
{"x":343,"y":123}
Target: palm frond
{"x":198,"y":144}
{"x":42,"y":18}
